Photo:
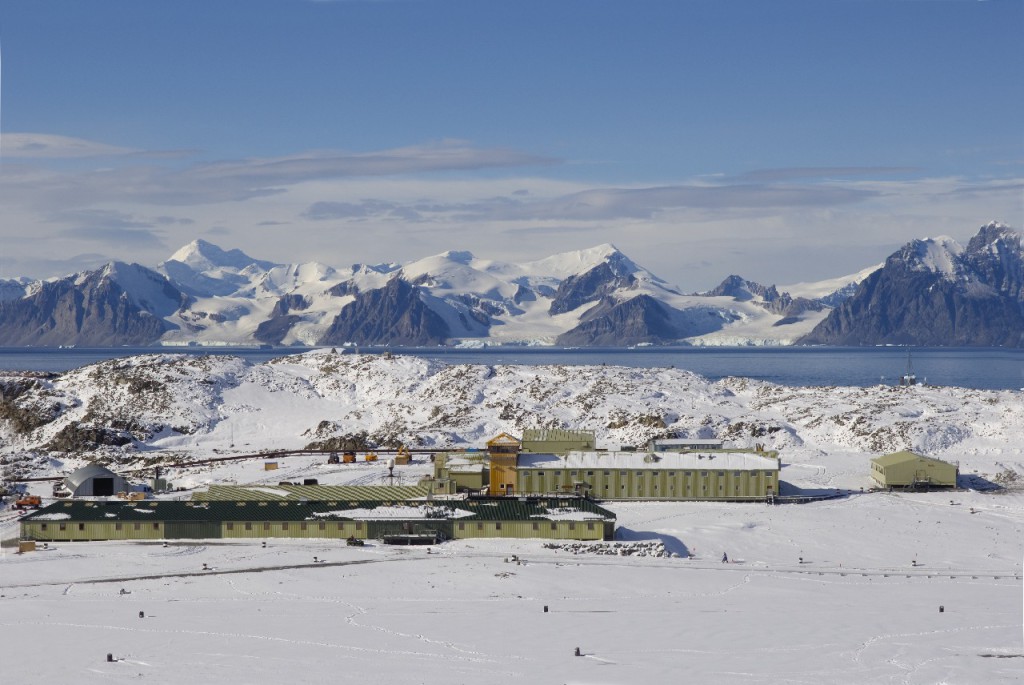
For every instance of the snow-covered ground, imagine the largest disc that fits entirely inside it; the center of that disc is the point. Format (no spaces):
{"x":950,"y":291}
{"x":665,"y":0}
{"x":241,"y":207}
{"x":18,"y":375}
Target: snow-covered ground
{"x":862,"y":607}
{"x":841,"y":591}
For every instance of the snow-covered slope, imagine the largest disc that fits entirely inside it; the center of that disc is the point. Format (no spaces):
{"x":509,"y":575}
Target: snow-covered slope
{"x":183,"y":402}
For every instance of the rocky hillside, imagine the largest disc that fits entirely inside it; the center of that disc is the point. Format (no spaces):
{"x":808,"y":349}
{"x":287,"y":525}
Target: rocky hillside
{"x":134,"y":410}
{"x":121,"y":304}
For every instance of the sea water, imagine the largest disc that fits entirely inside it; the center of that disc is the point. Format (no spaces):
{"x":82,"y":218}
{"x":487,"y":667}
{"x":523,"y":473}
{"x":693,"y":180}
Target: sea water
{"x":981,"y":368}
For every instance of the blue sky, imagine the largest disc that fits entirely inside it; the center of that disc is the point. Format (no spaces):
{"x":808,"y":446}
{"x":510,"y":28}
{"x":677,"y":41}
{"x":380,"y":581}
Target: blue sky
{"x":784,"y":141}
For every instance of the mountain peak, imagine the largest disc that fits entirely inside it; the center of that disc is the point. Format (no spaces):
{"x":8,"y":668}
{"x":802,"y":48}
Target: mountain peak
{"x":992,"y":233}
{"x":201,"y":255}
{"x":577,"y":262}
{"x":938,"y":255}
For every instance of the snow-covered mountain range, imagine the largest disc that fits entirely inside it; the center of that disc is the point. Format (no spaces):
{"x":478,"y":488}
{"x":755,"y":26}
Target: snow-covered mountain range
{"x":207,"y":295}
{"x":162,"y":406}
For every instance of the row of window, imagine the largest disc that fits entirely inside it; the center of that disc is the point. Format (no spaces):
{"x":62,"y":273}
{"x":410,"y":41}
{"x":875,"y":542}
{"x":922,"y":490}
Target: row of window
{"x":321,"y":525}
{"x":230,"y":526}
{"x":117,"y":526}
{"x":536,"y":525}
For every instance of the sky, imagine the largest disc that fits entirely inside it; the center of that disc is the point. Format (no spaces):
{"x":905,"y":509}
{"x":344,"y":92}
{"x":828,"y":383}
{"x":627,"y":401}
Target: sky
{"x":784,"y":141}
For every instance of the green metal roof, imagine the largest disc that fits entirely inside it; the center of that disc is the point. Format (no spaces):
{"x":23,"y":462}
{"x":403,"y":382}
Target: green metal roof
{"x":312,"y":493}
{"x":494,"y":509}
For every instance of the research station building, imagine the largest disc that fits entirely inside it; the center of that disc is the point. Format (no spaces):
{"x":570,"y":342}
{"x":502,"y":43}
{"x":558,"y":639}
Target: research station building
{"x":563,"y":518}
{"x":725,"y":475}
{"x":909,"y":470}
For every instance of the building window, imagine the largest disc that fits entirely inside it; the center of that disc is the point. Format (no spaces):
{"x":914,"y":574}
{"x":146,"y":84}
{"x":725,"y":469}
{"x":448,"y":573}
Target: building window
{"x":266,"y":526}
{"x":302,"y":526}
{"x":462,"y":525}
{"x":81,"y":526}
{"x":572,"y":525}
{"x":322,"y":526}
{"x":248,"y":526}
{"x":64,"y":526}
{"x":607,"y":473}
{"x":590,"y":473}
{"x":359,"y":525}
{"x":136,"y":526}
{"x":721,"y":473}
{"x":590,"y":525}
{"x":479,"y":526}
{"x":117,"y":526}
{"x":554,"y":526}
{"x":231,"y":526}
{"x":284,"y":526}
{"x":622,"y":473}
{"x":43,"y":526}
{"x":156,"y":526}
{"x":497,"y":525}
{"x":536,"y":526}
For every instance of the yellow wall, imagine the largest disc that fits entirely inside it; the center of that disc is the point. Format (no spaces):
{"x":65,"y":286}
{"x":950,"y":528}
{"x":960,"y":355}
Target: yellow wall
{"x":674,"y":484}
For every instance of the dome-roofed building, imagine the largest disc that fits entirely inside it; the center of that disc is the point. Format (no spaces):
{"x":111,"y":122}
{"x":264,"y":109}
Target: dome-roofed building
{"x":95,"y":481}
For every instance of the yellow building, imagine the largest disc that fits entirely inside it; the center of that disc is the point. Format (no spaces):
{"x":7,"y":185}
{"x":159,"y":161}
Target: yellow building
{"x":503,"y":453}
{"x":728,"y":475}
{"x":906,"y":469}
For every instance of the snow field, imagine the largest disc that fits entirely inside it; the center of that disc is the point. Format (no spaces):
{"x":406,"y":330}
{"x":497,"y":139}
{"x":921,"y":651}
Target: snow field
{"x":856,"y":611}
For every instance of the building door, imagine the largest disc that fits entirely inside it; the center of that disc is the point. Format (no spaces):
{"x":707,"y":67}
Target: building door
{"x":102,"y":487}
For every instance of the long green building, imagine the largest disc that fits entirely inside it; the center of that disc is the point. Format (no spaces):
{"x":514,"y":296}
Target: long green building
{"x":568,"y":518}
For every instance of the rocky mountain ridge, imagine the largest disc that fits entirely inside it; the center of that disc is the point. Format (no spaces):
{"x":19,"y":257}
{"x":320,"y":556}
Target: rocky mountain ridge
{"x":936,"y":292}
{"x":206,"y":295}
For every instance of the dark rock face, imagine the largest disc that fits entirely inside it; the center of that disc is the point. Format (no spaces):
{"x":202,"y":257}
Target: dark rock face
{"x":978,"y":301}
{"x":273,"y":330}
{"x":76,"y":437}
{"x":784,"y":304}
{"x":91,"y":309}
{"x":392,"y":315}
{"x":641,"y":319}
{"x":592,"y":285}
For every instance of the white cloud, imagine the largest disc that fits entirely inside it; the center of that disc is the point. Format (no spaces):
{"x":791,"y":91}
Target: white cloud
{"x":49,"y":146}
{"x":339,"y":207}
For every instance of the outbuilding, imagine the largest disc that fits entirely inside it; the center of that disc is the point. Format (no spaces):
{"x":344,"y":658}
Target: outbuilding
{"x":907,"y":470}
{"x":95,"y":481}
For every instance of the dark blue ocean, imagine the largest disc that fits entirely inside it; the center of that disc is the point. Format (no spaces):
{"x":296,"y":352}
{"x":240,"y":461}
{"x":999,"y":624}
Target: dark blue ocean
{"x":982,"y":368}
